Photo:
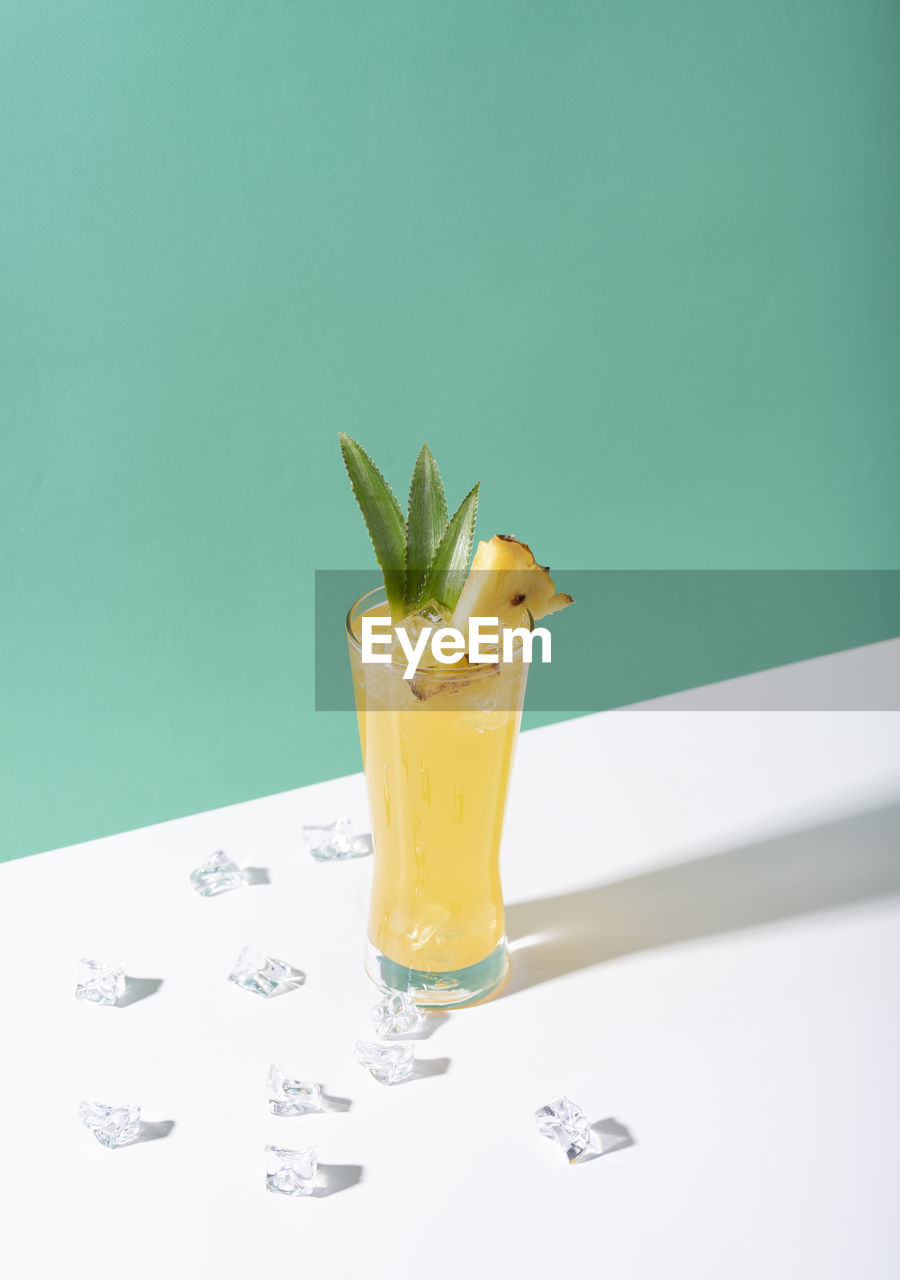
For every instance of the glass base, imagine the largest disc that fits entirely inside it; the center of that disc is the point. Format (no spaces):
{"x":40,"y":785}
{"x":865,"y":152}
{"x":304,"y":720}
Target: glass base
{"x":448,"y":990}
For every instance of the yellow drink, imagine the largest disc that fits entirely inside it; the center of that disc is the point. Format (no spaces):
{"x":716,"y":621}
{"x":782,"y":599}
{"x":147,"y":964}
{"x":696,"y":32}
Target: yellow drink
{"x":437,"y":759}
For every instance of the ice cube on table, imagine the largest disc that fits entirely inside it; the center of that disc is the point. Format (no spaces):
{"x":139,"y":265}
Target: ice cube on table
{"x":111,"y":1126}
{"x":334,"y":841}
{"x":291,"y":1097}
{"x":386,"y":1063}
{"x":218,"y":874}
{"x":397,"y":1015}
{"x":255,"y":971}
{"x":99,"y":983}
{"x":564,"y":1120}
{"x":291,"y":1173}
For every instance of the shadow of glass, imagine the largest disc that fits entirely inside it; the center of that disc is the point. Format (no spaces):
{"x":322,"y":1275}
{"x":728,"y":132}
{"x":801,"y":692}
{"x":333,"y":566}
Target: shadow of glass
{"x":851,"y":860}
{"x":153,"y":1130}
{"x":258,"y":875}
{"x":138,"y":989}
{"x":333,"y":1178}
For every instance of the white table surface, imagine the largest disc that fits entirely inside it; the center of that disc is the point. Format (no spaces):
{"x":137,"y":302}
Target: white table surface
{"x":706,"y":948}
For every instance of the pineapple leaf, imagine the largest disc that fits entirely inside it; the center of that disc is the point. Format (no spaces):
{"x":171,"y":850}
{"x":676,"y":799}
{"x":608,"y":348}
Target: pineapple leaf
{"x":426,"y":521}
{"x":383,"y":517}
{"x":450,"y":565}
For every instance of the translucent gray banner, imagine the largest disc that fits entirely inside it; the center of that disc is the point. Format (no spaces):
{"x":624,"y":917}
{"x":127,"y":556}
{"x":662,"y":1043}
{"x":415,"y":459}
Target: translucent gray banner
{"x":633,"y":636}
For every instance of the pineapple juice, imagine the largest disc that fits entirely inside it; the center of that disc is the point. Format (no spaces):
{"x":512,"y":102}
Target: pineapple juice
{"x":437,"y":754}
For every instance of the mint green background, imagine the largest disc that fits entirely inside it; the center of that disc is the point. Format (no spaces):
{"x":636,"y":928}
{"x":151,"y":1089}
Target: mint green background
{"x":633,"y":266}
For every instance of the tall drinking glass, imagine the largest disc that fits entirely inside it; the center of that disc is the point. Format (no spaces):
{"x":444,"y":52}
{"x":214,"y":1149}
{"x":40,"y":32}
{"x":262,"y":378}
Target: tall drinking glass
{"x":437,"y":754}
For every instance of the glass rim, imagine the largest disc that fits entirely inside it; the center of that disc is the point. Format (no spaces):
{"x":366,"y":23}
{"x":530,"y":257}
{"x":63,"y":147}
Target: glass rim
{"x":447,"y":672}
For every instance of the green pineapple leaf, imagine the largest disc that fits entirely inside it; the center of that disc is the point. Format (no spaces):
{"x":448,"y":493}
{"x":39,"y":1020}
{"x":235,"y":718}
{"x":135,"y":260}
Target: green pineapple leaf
{"x":426,"y":520}
{"x":450,"y":565}
{"x":384,"y":520}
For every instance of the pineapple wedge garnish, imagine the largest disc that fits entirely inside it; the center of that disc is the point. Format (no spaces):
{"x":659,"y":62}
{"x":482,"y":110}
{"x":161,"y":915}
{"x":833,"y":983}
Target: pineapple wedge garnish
{"x":423,"y":557}
{"x":504,"y":581}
